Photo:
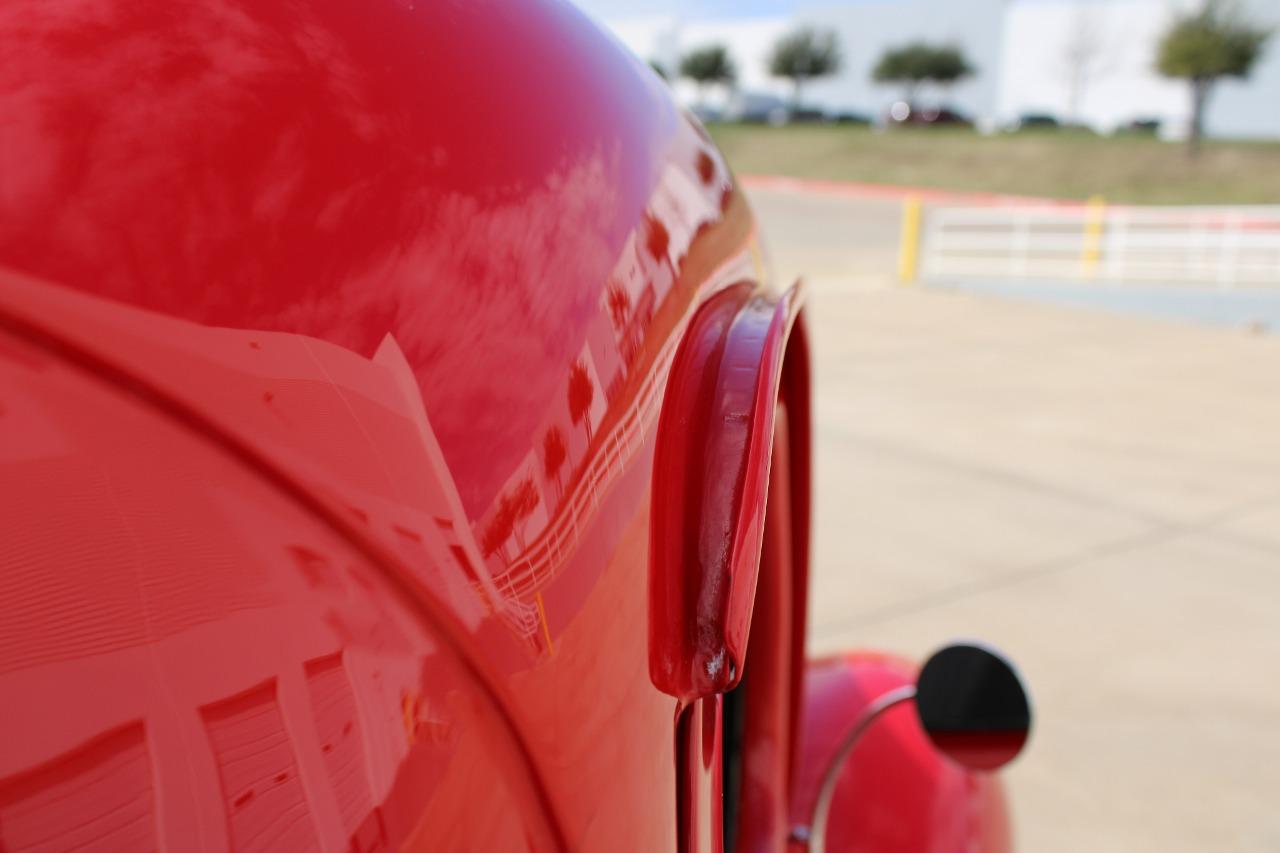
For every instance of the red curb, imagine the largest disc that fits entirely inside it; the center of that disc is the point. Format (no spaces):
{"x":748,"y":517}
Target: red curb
{"x":855,"y":189}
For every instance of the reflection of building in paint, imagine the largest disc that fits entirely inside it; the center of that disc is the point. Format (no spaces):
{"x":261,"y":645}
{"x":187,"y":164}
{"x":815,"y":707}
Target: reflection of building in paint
{"x":203,"y":659}
{"x":262,"y":791}
{"x":688,"y":197}
{"x":333,"y":705}
{"x":216,"y":657}
{"x":350,"y":428}
{"x":354,"y":430}
{"x":99,"y":793}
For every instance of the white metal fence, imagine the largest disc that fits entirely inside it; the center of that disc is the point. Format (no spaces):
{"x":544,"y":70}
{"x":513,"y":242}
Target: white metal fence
{"x":1216,"y":245}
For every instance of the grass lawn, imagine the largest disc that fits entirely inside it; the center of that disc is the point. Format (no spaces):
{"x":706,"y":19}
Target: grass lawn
{"x":1060,"y":164}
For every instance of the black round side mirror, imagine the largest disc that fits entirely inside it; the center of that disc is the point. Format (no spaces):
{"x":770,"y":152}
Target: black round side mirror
{"x":973,"y":706}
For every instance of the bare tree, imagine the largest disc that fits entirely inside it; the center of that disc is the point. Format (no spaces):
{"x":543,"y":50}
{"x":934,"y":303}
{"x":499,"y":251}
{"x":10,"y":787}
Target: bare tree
{"x":1084,"y":57}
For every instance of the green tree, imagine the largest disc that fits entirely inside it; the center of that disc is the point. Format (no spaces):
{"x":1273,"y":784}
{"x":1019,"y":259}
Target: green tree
{"x":804,"y":54}
{"x":1204,"y":46}
{"x":658,"y":68}
{"x":919,"y":62}
{"x":707,"y":66}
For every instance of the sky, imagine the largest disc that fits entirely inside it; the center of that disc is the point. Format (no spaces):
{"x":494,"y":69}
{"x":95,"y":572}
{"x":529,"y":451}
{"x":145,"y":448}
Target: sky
{"x":703,"y":9}
{"x":612,"y":9}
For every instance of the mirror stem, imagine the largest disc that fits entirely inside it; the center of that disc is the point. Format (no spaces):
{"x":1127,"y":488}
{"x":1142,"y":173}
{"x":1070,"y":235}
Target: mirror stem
{"x":814,"y":836}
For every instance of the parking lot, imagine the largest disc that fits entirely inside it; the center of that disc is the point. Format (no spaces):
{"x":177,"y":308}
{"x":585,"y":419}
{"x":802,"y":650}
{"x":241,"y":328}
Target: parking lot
{"x":1097,"y":494}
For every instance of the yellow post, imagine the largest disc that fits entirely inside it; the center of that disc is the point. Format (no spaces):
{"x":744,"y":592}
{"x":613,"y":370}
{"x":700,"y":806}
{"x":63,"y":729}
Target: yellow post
{"x":1094,"y":223}
{"x":909,"y":248}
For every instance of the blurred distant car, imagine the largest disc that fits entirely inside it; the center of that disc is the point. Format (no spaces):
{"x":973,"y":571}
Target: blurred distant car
{"x":1030,"y":121}
{"x":760,"y":108}
{"x":808,"y":115}
{"x":764,"y":108}
{"x":757,"y":108}
{"x":902,"y":113}
{"x":707,"y":113}
{"x":1142,"y":126}
{"x":851,"y":118}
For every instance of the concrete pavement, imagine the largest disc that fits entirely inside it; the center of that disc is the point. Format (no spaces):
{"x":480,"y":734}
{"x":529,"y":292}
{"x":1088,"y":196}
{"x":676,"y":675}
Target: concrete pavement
{"x":1099,"y":495}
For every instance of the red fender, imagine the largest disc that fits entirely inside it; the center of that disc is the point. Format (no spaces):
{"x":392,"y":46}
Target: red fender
{"x":711,"y":479}
{"x":896,"y":794}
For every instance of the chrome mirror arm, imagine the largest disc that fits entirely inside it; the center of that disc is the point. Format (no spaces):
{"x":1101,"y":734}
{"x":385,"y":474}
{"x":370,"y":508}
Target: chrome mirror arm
{"x":814,"y":836}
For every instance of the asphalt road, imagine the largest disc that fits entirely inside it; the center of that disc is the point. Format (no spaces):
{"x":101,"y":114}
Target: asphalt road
{"x":1097,"y":494}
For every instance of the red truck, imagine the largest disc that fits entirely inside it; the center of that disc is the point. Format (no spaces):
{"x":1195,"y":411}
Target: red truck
{"x":403,"y":446}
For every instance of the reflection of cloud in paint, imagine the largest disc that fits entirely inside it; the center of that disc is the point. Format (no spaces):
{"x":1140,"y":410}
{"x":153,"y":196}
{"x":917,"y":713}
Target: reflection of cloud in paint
{"x":496,"y":291}
{"x":104,"y":101}
{"x":312,"y":171}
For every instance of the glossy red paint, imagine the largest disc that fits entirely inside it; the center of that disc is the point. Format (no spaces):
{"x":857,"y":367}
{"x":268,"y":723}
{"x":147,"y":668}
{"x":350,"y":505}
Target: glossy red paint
{"x":897,"y":793}
{"x":981,"y":750}
{"x":315,"y":243}
{"x":774,"y":665}
{"x":167,"y":606}
{"x":340,"y":371}
{"x":699,"y":738}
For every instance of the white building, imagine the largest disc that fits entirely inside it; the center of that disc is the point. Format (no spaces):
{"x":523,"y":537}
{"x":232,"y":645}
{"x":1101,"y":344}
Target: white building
{"x":1085,"y":60}
{"x":1109,"y":48}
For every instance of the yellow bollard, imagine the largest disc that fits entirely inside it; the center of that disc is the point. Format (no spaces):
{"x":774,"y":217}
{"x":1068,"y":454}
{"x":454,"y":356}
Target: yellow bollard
{"x":909,"y":248}
{"x":1094,"y":224}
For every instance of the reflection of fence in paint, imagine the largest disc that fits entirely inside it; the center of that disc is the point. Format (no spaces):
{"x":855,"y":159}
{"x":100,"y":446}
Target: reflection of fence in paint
{"x":1218,"y":245}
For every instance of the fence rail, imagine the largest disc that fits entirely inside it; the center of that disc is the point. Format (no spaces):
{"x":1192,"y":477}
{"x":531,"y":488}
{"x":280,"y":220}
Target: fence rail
{"x":1227,"y":246}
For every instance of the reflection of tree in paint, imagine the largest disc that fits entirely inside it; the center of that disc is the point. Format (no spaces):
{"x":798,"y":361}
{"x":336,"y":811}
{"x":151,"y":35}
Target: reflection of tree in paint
{"x":554,"y":453}
{"x":619,"y":306}
{"x":706,"y":166}
{"x":513,"y":507}
{"x":498,"y":530}
{"x":657,"y":239}
{"x":581,"y":393}
{"x":524,"y":500}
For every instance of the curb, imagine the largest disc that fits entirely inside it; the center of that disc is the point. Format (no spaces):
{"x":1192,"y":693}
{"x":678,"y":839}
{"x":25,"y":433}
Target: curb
{"x":896,"y":192}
